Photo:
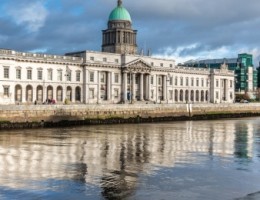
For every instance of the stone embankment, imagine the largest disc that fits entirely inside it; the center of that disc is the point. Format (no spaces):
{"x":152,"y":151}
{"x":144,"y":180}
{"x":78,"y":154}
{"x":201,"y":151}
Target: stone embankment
{"x":35,"y":116}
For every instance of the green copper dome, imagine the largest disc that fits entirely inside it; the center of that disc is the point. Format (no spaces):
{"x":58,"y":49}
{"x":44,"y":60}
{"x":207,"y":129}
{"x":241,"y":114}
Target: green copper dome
{"x":120,"y":13}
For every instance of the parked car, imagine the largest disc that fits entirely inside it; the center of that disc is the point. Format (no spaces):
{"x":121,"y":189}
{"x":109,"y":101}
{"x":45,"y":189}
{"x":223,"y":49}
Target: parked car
{"x":244,"y":101}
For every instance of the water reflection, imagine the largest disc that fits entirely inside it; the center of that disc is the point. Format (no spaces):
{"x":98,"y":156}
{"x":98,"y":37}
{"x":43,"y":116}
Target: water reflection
{"x":121,"y":161}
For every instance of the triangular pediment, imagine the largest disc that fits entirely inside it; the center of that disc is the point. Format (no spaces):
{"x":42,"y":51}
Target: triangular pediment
{"x":138,"y":65}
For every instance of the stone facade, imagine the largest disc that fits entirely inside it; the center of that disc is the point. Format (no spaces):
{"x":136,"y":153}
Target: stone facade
{"x":105,"y":78}
{"x":108,"y":78}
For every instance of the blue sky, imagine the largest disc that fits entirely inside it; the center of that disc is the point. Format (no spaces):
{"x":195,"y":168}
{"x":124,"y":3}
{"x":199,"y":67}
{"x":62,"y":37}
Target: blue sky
{"x":178,"y":29}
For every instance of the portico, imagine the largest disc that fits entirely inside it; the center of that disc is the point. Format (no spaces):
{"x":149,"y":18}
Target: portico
{"x":136,"y":81}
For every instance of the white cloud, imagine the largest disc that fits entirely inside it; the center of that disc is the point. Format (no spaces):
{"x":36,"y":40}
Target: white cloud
{"x":32,"y":15}
{"x":171,"y":53}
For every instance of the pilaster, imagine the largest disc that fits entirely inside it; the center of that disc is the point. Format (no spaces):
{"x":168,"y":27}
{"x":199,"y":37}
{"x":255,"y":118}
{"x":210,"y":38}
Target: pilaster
{"x":141,"y":87}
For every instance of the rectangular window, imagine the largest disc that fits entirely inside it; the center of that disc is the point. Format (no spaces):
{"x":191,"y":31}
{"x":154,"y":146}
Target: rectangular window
{"x":6,"y":72}
{"x":39,"y":74}
{"x":116,"y":93}
{"x":116,"y":78}
{"x":6,"y":91}
{"x":91,"y":93}
{"x":159,"y":80}
{"x":68,"y":75}
{"x":59,"y":75}
{"x":18,"y":73}
{"x":91,"y":77}
{"x":102,"y":77}
{"x":181,"y":81}
{"x":231,"y":95}
{"x":171,"y":94}
{"x":29,"y":74}
{"x":50,"y":75}
{"x":171,"y":80}
{"x":136,"y":80}
{"x":78,"y":76}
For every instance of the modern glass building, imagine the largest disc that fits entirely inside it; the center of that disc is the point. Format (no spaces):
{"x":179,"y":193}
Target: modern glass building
{"x":246,"y":75}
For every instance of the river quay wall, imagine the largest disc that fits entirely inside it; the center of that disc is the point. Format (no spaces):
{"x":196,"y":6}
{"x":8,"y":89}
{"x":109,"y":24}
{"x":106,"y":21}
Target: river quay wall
{"x":36,"y":116}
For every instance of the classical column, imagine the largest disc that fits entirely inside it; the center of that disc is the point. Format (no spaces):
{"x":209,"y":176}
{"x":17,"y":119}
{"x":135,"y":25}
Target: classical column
{"x":124,"y":86}
{"x":156,"y":88}
{"x":226,"y":89}
{"x":98,"y":87}
{"x":34,"y":95}
{"x":23,"y":88}
{"x":73,"y":96}
{"x":44,"y":92}
{"x":112,"y":78}
{"x":133,"y":87}
{"x":54,"y":94}
{"x":148,"y":87}
{"x":85,"y":85}
{"x":108,"y":86}
{"x":64,"y":93}
{"x":164,"y":87}
{"x":141,"y":87}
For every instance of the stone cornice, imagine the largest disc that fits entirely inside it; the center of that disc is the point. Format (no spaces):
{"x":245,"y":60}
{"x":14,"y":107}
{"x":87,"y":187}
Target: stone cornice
{"x":100,"y":65}
{"x":40,"y":61}
{"x":39,"y":58}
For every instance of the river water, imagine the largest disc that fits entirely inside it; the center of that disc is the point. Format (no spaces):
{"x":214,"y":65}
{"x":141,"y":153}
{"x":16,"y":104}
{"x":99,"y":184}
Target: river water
{"x":195,"y":160}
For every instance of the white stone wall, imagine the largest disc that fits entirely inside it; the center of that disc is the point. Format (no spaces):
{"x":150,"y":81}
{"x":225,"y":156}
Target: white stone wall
{"x":156,"y":79}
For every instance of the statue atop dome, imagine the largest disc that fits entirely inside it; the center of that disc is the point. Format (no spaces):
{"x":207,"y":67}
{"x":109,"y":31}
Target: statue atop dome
{"x":119,"y":3}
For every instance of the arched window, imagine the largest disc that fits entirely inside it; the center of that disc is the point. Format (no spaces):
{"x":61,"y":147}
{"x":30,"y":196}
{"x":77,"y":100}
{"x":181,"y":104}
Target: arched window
{"x":187,"y":95}
{"x":49,"y":92}
{"x":59,"y":95}
{"x":192,"y":95}
{"x":39,"y":93}
{"x":78,"y":94}
{"x":197,"y":95}
{"x":202,"y":96}
{"x":18,"y":93}
{"x":207,"y":95}
{"x":176,"y":95}
{"x":181,"y":95}
{"x":29,"y":93}
{"x":69,"y":93}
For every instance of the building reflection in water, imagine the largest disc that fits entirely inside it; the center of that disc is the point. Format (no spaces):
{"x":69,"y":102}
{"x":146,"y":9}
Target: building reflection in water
{"x":113,"y":157}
